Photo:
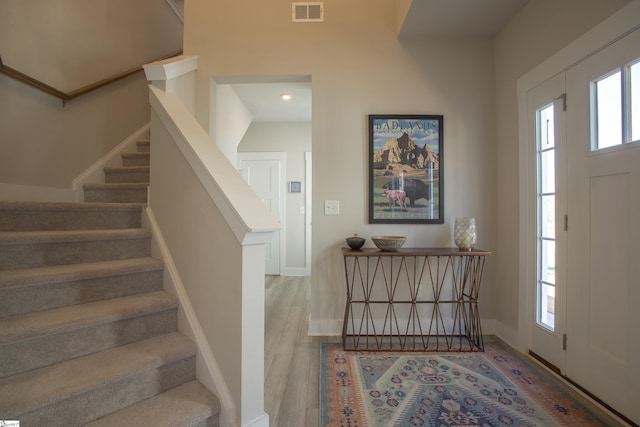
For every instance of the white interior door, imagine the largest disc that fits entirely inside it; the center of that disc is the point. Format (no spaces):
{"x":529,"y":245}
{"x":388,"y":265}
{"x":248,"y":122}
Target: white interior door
{"x":546,"y":127}
{"x":603,"y":339}
{"x":265,"y":174}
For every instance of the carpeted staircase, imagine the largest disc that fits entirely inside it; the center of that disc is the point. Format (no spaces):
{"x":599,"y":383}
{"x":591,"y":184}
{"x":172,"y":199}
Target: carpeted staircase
{"x":87,"y":335}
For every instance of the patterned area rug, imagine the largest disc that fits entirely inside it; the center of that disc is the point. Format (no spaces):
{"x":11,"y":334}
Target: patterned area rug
{"x":494,"y":388}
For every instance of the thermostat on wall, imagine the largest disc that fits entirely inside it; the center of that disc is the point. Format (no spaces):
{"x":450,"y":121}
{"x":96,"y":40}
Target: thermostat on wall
{"x":295,"y":187}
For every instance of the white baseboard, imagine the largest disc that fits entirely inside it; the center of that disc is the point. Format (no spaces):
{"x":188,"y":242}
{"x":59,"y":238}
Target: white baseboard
{"x":295,"y":271}
{"x":261,"y":421}
{"x":319,"y":328}
{"x":333,"y":327}
{"x":488,"y":326}
{"x":510,"y":335}
{"x":31,"y":193}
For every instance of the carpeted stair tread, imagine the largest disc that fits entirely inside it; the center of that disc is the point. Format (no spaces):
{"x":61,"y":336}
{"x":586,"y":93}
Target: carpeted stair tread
{"x":46,"y":288}
{"x":127,"y":169}
{"x":136,"y":159}
{"x":35,"y":216}
{"x":143,"y":145}
{"x":30,"y":391}
{"x":42,"y":248}
{"x":115,"y":186}
{"x":43,"y":338}
{"x":27,"y":326}
{"x":127,"y":174}
{"x":72,"y":272}
{"x":190,"y":404}
{"x":116,"y":192}
{"x":136,"y":155}
{"x":81,"y":206}
{"x":62,"y":236}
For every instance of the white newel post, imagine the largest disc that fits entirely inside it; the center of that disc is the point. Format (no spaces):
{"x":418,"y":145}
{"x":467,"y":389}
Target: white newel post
{"x":175,"y":75}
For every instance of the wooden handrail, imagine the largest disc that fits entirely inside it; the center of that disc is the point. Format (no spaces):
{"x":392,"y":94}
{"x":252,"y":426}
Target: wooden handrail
{"x":35,"y":83}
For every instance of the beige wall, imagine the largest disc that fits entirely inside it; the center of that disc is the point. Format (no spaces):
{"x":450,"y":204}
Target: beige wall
{"x":45,"y":144}
{"x":232,"y":120}
{"x":518,"y":48}
{"x":69,"y":44}
{"x":359,"y":67}
{"x":295,"y":140}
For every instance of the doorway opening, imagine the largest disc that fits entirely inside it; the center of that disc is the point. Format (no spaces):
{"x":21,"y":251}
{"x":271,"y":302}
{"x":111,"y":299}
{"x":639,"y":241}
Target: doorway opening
{"x":254,"y":118}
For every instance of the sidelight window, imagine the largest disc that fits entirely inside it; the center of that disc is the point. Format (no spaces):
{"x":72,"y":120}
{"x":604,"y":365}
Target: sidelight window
{"x":546,"y":212}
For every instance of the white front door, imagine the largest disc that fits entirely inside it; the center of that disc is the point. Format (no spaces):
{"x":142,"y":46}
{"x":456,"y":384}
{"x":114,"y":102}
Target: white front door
{"x":265,"y":174}
{"x":603,"y":314}
{"x":546,"y":125}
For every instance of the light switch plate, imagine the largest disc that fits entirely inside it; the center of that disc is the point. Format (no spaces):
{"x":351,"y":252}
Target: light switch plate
{"x":332,"y":207}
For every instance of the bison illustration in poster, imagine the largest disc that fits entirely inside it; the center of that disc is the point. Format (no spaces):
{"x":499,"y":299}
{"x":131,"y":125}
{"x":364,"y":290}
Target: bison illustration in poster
{"x":405,"y":169}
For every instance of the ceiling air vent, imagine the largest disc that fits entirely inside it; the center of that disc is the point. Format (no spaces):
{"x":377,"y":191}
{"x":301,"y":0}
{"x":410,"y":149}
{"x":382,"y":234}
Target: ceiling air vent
{"x":307,"y":12}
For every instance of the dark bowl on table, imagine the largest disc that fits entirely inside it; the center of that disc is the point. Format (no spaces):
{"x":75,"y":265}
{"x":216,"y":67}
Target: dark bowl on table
{"x":355,"y":242}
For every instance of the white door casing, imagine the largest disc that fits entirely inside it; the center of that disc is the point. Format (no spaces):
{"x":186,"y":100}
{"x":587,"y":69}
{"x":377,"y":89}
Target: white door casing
{"x":543,"y":341}
{"x":265,"y":174}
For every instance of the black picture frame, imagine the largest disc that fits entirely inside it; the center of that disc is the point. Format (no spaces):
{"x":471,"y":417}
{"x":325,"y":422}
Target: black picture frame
{"x":406,"y":174}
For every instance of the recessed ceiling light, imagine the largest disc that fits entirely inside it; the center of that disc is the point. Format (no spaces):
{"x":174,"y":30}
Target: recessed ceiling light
{"x":285,"y":96}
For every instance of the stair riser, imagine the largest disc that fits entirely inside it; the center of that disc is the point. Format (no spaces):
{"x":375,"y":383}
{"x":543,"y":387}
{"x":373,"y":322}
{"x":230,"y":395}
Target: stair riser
{"x":20,"y":220}
{"x":112,"y":177}
{"x":135,"y":160}
{"x":80,"y":409}
{"x":143,"y":146}
{"x":14,"y":256}
{"x":116,"y":196}
{"x":26,"y":299}
{"x":44,"y":351}
{"x":169,"y":409}
{"x":209,"y":422}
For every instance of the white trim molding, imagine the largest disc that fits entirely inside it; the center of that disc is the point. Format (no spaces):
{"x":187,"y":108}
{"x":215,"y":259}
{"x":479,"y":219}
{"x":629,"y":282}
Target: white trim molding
{"x":333,"y":327}
{"x":171,"y":68}
{"x":262,"y":421}
{"x":308,"y":169}
{"x":178,"y":8}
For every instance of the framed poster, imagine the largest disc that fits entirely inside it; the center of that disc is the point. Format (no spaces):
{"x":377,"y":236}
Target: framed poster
{"x":406,"y":169}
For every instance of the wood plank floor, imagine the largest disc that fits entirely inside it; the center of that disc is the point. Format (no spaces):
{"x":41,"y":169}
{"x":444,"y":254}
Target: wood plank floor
{"x":292,"y":359}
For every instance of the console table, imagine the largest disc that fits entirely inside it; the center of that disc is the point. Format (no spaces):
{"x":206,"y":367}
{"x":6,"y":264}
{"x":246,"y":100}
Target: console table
{"x":421,"y":299}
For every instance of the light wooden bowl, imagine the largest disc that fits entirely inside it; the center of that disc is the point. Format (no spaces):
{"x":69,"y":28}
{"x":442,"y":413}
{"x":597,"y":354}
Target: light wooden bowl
{"x":389,"y":243}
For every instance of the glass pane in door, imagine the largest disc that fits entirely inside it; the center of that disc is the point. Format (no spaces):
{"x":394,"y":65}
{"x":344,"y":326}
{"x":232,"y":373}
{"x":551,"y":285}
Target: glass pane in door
{"x":608,"y":111}
{"x":546,"y":218}
{"x":634,"y":77}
